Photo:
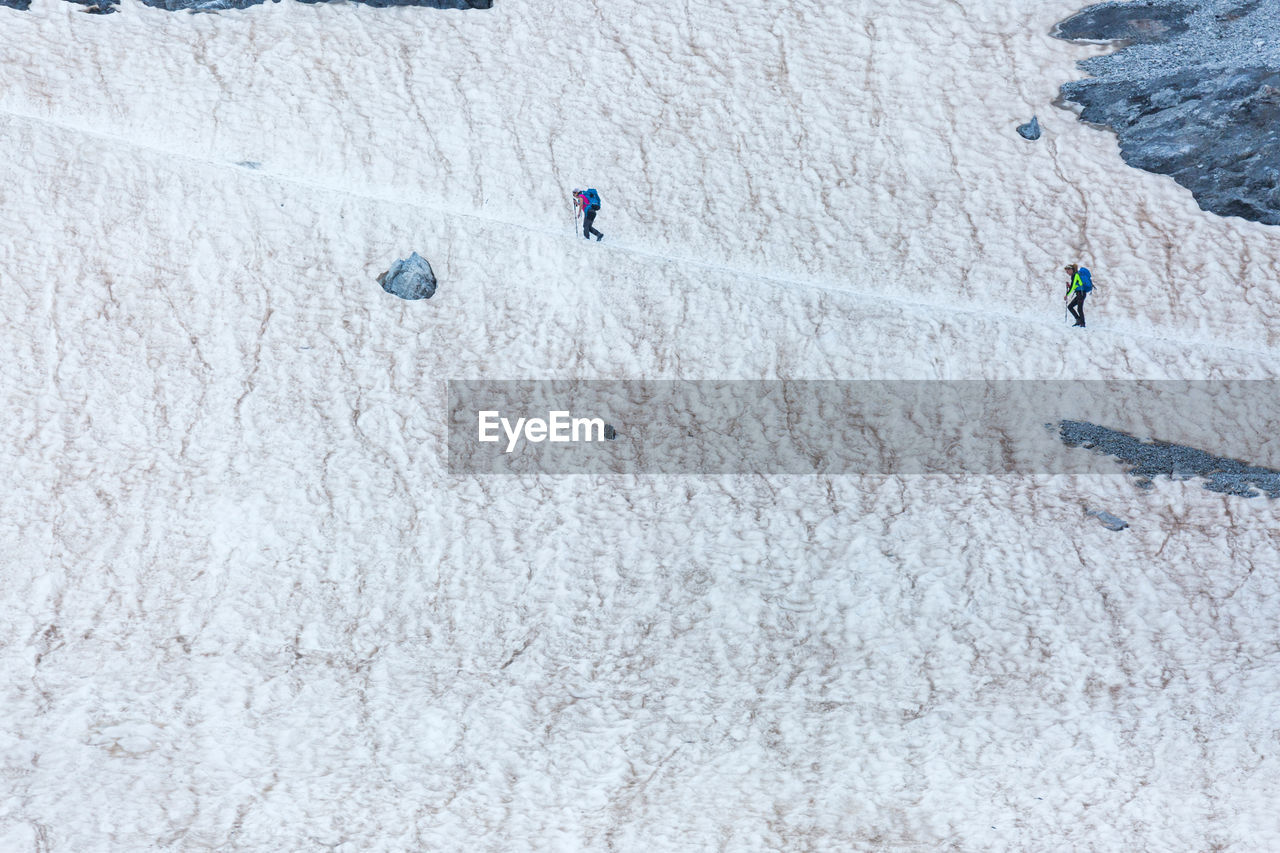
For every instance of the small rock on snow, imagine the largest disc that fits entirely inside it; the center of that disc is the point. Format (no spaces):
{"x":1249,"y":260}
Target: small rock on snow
{"x":409,"y":278}
{"x":1108,"y":520}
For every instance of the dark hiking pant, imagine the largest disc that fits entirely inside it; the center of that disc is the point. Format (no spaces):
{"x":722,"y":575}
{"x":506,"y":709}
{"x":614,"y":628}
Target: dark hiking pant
{"x":1076,"y":307}
{"x":587,"y":228}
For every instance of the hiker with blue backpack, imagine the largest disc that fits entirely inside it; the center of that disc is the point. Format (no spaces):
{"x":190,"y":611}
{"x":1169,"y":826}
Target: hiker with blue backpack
{"x":1079,"y":286}
{"x":587,"y":202}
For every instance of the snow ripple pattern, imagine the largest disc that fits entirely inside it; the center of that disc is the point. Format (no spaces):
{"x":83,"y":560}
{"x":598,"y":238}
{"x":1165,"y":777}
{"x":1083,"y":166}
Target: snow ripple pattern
{"x":247,"y":608}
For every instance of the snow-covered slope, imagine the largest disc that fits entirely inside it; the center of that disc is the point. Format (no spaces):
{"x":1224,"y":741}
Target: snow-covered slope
{"x":246,"y":606}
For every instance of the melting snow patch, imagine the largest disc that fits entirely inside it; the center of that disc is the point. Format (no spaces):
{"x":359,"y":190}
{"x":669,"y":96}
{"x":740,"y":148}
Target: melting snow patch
{"x":201,"y":5}
{"x":219,"y":5}
{"x":98,"y":7}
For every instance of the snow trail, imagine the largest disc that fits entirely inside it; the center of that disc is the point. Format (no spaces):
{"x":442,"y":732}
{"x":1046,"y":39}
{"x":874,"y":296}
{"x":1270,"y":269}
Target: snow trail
{"x":1114,"y":333}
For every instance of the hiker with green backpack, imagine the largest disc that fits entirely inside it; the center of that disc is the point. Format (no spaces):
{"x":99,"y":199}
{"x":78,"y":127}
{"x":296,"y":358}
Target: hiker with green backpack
{"x":1079,"y":286}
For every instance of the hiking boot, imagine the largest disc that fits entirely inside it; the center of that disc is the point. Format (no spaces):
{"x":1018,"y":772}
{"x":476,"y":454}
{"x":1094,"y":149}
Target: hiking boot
{"x":599,"y":237}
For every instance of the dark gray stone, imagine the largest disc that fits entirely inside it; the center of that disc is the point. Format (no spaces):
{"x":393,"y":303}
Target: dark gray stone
{"x":1030,"y":130}
{"x":410,"y":278}
{"x":1128,"y":23}
{"x":1108,"y":520}
{"x":20,"y":5}
{"x":1192,"y":93}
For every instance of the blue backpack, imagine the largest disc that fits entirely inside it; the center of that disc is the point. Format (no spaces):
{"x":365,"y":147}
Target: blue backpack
{"x":1086,"y":280}
{"x":594,"y":198}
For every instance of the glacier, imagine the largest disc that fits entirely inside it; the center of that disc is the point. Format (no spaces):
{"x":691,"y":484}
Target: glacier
{"x":249,"y":607}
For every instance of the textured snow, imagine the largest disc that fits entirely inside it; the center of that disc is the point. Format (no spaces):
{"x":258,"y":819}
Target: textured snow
{"x":247,"y":608}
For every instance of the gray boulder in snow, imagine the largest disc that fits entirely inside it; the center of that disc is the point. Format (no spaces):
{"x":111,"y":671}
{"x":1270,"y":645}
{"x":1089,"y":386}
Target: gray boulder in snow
{"x":1108,"y":520}
{"x":409,"y":278}
{"x":1030,"y":130}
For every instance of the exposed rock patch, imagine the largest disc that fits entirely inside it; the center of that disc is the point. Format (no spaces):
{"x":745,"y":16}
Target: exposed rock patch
{"x":1147,"y":460}
{"x":1193,"y":93}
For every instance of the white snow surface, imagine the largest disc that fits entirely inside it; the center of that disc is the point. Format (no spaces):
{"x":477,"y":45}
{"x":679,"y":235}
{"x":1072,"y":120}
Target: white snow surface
{"x":246,"y":607}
